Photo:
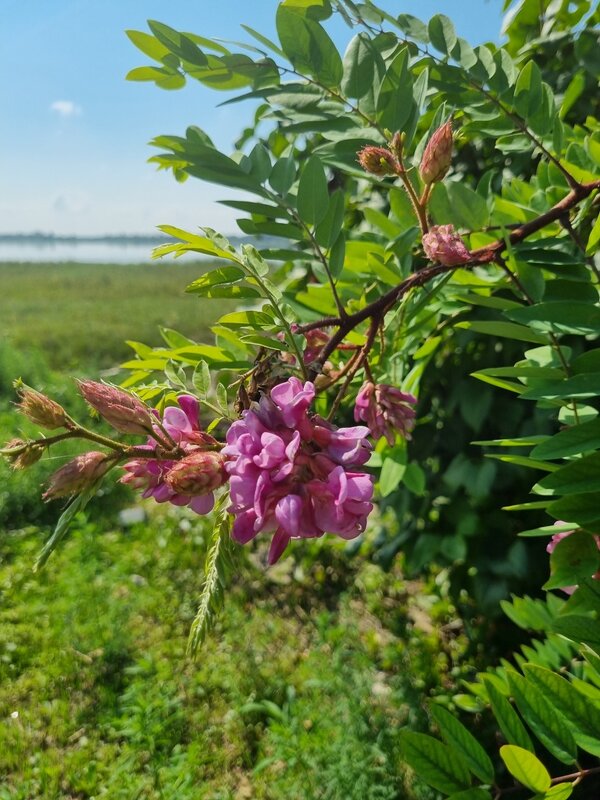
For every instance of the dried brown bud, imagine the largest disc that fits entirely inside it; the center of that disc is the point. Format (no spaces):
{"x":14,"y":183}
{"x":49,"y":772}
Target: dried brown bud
{"x":378,"y":161}
{"x":197,"y":474}
{"x":21,"y":454}
{"x":437,"y":156}
{"x":41,"y":409}
{"x":78,"y":474}
{"x":125,"y":412}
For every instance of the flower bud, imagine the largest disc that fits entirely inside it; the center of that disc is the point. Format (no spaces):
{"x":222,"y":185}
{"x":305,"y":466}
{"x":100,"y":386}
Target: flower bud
{"x":437,"y":156}
{"x":397,"y":144}
{"x":443,"y":244}
{"x":41,"y":409}
{"x":199,"y":473}
{"x":78,"y":474}
{"x":125,"y":412}
{"x":378,"y":161}
{"x":22,"y":454}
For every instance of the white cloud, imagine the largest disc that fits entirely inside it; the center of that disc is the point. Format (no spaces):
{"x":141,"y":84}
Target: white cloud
{"x":66,"y":108}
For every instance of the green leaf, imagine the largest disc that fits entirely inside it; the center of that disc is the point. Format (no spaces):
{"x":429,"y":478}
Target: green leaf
{"x":360,"y":61}
{"x":216,"y":277}
{"x":507,"y":718}
{"x":583,"y":716}
{"x":579,"y":476}
{"x":543,"y":720}
{"x":201,"y":379}
{"x":392,"y":472}
{"x":308,"y":47}
{"x":594,"y":237}
{"x":459,"y":738}
{"x":477,"y":793}
{"x":77,"y":504}
{"x":283,"y":174}
{"x":505,"y":330}
{"x":395,"y":102}
{"x":561,"y":791}
{"x":559,"y":317}
{"x":526,"y":768}
{"x":583,"y":509}
{"x":434,"y":762}
{"x":328,"y":230}
{"x":578,"y":628}
{"x":570,"y":442}
{"x":313,"y":197}
{"x":577,"y":387}
{"x":148,"y":44}
{"x":528,"y":90}
{"x":575,"y":557}
{"x":442,"y":34}
{"x":337,"y":256}
{"x":178,"y":43}
{"x":413,"y":26}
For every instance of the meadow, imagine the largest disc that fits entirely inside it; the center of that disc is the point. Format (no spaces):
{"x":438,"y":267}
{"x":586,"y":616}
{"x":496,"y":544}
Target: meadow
{"x":314,"y":666}
{"x":81,"y":315}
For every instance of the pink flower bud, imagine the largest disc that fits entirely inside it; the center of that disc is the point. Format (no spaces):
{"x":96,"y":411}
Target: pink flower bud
{"x":125,"y":412}
{"x":386,"y":411}
{"x":79,"y":473}
{"x":437,"y":156}
{"x":41,"y":409}
{"x":197,"y":474}
{"x":443,"y":244}
{"x":378,"y":161}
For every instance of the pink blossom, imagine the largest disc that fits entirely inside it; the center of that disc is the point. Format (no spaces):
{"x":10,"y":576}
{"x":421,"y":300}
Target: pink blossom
{"x":182,"y":424}
{"x":437,"y":156}
{"x":443,"y":244}
{"x":293,"y":474}
{"x":386,"y":410}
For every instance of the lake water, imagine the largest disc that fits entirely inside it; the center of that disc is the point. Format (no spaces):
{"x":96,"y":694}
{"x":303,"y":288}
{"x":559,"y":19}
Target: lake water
{"x":81,"y":252}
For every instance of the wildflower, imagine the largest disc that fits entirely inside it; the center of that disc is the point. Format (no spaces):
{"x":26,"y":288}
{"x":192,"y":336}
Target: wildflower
{"x":293,"y":474}
{"x":443,"y":244}
{"x":78,"y":474}
{"x":386,"y":410}
{"x":182,"y":424}
{"x":378,"y":161}
{"x":437,"y":156}
{"x":41,"y":409}
{"x":125,"y":412}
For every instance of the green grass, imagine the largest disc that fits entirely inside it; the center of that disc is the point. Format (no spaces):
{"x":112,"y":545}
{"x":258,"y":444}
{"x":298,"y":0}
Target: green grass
{"x":80,"y":315}
{"x":298,"y":694}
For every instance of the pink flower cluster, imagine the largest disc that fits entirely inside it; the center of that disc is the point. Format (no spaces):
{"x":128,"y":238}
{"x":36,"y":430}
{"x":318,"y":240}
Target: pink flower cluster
{"x":160,"y":478}
{"x":293,"y":474}
{"x":386,"y":410}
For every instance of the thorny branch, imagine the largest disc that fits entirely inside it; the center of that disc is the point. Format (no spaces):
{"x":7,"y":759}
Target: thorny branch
{"x":377,"y":309}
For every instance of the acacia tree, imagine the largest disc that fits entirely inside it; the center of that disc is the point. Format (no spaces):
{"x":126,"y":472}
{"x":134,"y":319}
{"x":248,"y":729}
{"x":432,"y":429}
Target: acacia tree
{"x":429,"y":197}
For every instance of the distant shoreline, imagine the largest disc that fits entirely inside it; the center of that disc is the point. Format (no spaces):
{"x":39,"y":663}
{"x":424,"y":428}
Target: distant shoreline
{"x":116,"y":239}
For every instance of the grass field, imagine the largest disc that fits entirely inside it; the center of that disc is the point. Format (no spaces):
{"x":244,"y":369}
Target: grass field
{"x":298,"y":694}
{"x":82,"y":314}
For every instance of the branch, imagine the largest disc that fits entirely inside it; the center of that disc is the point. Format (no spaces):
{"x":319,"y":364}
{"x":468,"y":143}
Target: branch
{"x":483,"y":255}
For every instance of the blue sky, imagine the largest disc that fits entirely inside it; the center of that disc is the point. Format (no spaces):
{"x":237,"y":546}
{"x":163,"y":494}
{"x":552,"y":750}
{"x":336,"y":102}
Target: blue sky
{"x":74,"y":133}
